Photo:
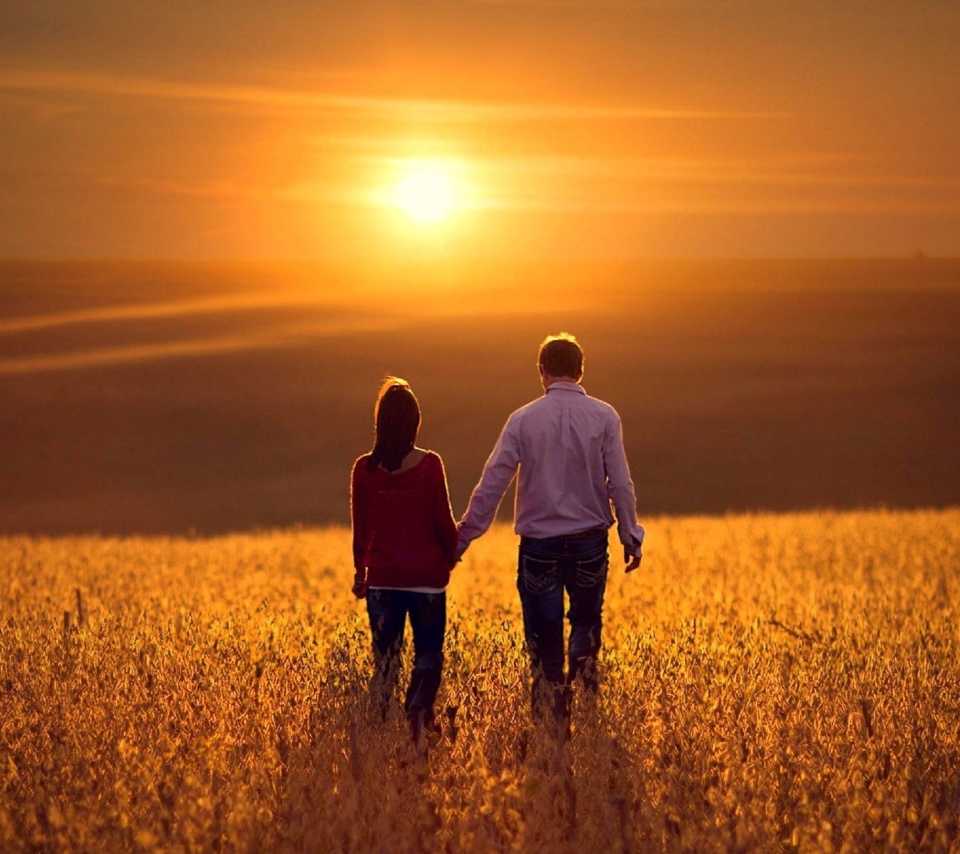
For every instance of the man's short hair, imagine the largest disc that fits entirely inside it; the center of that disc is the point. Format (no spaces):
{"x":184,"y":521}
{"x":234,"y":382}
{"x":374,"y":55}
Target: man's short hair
{"x":561,"y":356}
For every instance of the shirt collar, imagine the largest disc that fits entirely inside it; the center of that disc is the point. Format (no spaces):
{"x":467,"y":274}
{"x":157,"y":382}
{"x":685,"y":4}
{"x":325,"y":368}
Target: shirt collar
{"x":565,"y":386}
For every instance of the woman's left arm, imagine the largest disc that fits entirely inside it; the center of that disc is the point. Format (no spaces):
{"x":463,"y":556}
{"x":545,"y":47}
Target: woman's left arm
{"x":446,"y":525}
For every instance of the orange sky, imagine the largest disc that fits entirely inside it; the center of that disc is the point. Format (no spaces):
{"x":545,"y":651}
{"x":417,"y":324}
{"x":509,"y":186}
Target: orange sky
{"x":241,"y":129}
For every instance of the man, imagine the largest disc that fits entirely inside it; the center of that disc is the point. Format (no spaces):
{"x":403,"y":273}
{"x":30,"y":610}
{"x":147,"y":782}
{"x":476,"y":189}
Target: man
{"x":568,"y":448}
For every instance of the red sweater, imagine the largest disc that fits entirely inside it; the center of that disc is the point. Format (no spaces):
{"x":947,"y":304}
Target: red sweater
{"x":404,"y":534}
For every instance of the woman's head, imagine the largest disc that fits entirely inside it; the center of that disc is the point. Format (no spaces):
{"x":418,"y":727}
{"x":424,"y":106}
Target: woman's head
{"x":396,"y":419}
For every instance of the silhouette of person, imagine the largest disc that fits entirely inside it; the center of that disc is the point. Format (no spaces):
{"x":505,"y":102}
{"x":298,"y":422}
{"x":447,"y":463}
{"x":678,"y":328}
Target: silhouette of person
{"x":568,"y":450}
{"x":404,"y":546}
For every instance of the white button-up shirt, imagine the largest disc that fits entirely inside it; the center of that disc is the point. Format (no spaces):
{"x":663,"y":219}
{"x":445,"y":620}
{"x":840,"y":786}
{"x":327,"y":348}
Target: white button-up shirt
{"x":568,"y":448}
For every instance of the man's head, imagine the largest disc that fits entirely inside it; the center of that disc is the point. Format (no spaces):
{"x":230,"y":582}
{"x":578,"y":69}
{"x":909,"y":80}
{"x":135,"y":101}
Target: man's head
{"x":561,"y":358}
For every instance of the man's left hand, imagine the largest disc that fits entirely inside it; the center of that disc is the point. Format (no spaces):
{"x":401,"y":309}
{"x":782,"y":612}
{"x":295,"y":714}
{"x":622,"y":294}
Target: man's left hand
{"x":632,"y":560}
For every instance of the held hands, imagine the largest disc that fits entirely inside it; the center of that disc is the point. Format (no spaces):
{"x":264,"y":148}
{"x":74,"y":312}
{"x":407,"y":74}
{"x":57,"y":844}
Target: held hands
{"x":359,"y":588}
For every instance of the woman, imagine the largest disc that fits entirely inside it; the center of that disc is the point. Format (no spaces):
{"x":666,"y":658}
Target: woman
{"x":404,"y":546}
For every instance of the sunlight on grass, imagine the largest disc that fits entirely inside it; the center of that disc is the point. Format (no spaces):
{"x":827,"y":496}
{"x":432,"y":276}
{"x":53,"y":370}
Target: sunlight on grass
{"x":769,"y":683}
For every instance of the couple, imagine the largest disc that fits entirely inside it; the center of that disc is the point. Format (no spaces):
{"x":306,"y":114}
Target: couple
{"x":568,"y":448}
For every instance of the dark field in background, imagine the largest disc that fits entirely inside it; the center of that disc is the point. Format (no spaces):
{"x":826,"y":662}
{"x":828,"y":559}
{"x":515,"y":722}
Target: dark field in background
{"x":244,"y":398}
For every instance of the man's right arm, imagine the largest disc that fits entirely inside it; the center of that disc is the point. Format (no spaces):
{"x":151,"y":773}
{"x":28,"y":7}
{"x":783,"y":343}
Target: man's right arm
{"x":499,"y":471}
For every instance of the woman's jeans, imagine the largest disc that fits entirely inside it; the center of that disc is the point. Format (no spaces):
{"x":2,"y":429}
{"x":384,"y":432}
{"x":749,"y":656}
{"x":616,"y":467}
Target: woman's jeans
{"x":577,"y":564}
{"x":388,"y":611}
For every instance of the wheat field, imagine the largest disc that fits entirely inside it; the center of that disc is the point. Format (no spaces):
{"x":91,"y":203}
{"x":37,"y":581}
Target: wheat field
{"x":770,"y":683}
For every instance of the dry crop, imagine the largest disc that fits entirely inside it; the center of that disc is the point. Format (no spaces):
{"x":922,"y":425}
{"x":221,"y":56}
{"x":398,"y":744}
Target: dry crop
{"x":770,"y":683}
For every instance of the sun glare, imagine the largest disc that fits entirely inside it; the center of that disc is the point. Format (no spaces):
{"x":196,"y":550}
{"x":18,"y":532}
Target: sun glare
{"x":426,"y":193}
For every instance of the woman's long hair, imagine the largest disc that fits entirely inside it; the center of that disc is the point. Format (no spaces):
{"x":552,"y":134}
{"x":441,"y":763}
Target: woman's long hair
{"x":396,"y":420}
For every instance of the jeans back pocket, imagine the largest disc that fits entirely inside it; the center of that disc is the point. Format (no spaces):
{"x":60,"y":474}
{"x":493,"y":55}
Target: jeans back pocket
{"x":591,"y":570}
{"x":539,"y":575}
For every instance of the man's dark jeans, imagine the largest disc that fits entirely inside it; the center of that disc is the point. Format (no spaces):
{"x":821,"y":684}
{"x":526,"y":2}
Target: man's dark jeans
{"x":576,"y":564}
{"x":388,"y":610}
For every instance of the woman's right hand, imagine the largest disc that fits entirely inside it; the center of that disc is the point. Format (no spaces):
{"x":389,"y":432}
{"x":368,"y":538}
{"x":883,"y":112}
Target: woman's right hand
{"x":359,"y":588}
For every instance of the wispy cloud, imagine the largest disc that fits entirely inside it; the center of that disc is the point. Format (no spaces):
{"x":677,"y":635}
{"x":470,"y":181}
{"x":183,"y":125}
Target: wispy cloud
{"x":197,"y":189}
{"x":99,"y":357}
{"x":792,"y":169}
{"x":281,"y":336}
{"x":157,"y":310}
{"x":302,"y":330}
{"x":273,"y":97}
{"x":824,"y":182}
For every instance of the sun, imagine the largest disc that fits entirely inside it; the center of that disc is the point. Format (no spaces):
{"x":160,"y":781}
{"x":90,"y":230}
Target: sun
{"x":427,"y":192}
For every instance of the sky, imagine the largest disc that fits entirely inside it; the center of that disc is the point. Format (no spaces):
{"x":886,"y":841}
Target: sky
{"x":235,"y":129}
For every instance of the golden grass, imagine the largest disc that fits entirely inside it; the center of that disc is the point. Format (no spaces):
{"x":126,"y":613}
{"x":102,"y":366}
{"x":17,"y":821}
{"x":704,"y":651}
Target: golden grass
{"x":771,"y":683}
